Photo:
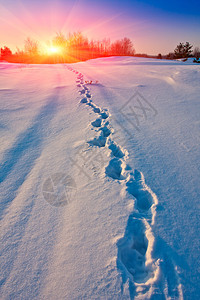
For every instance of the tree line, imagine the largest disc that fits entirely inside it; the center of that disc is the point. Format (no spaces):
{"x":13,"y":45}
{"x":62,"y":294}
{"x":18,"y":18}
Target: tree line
{"x":183,"y":51}
{"x":75,"y":47}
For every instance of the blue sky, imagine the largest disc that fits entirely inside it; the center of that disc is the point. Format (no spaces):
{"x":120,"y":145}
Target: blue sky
{"x":154,"y":26}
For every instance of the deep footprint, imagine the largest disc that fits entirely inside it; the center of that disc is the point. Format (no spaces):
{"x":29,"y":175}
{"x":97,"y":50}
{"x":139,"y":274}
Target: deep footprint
{"x":116,"y":150}
{"x":99,"y":141}
{"x":136,"y":187}
{"x":88,"y":95}
{"x":104,"y":115}
{"x":84,"y":100}
{"x":105,"y":131}
{"x":132,"y":249}
{"x":82,"y":92}
{"x":115,"y":169}
{"x":97,"y":122}
{"x":96,"y":109}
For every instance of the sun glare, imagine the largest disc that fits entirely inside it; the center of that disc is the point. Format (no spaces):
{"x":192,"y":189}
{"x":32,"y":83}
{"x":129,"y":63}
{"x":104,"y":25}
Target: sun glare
{"x":53,"y":50}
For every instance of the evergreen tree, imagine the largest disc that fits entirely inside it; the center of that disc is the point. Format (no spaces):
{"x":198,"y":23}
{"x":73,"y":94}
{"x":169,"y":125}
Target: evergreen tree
{"x":183,"y":50}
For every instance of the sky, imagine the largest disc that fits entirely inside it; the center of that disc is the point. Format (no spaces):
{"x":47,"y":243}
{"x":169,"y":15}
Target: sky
{"x":155,"y":26}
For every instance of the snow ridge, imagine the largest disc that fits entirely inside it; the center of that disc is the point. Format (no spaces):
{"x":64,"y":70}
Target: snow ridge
{"x":135,"y":259}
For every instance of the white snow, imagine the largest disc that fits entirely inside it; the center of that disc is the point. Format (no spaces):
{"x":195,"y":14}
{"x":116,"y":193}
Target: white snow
{"x":100,"y":182}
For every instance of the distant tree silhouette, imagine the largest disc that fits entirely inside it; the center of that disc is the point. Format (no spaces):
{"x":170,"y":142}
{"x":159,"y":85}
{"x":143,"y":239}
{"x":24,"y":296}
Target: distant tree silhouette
{"x":19,"y":52}
{"x":122,"y":47}
{"x":159,"y":56}
{"x":141,"y":55}
{"x":5,"y":53}
{"x":78,"y":46}
{"x":170,"y":55}
{"x":183,"y":50}
{"x":127,"y":46}
{"x":60,"y":41}
{"x":196,"y":53}
{"x":31,"y":47}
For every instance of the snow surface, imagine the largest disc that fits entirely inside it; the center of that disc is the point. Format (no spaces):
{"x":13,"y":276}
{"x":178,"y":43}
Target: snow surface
{"x":100,"y":180}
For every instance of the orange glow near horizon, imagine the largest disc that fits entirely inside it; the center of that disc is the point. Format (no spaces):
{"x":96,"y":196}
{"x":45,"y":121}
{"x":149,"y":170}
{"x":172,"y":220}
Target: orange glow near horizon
{"x":53,"y":50}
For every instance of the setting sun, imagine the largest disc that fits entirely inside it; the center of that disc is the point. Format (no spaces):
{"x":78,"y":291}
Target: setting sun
{"x":53,"y":50}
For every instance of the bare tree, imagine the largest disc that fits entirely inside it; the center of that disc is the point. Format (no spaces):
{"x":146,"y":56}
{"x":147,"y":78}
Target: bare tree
{"x":60,"y":41}
{"x":196,"y":53}
{"x":31,"y":47}
{"x":122,"y":47}
{"x":127,"y":46}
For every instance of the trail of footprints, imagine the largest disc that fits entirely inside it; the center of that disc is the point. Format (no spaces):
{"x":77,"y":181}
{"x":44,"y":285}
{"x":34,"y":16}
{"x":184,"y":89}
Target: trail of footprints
{"x":135,"y":248}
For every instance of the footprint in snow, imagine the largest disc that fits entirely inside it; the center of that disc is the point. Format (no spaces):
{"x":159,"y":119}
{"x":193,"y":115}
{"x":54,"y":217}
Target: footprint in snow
{"x":115,"y":169}
{"x":99,"y":141}
{"x":84,"y":100}
{"x":105,"y":130}
{"x":88,"y":95}
{"x":97,"y":122}
{"x":136,"y":186}
{"x":132,"y":249}
{"x":116,"y":150}
{"x":82,"y":92}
